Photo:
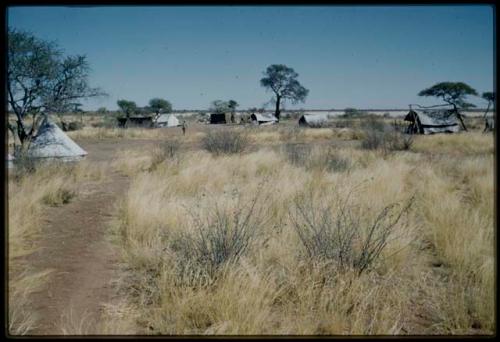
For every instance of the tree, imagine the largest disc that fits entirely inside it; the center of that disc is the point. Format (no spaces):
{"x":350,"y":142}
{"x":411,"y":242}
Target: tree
{"x":102,"y":110}
{"x":127,"y":107}
{"x":453,"y":93}
{"x":232,"y":106}
{"x":160,"y":106}
{"x":41,"y":80}
{"x":490,"y":97}
{"x":219,"y":107}
{"x":282,"y":80}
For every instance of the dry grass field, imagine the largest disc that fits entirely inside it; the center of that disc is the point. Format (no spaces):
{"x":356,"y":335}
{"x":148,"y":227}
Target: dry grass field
{"x":275,"y":230}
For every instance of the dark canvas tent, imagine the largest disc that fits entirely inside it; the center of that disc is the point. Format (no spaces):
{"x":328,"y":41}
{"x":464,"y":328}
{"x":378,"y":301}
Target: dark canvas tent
{"x":136,"y":121}
{"x":263,"y":118}
{"x":314,"y":120}
{"x":218,"y":118}
{"x":429,"y":122}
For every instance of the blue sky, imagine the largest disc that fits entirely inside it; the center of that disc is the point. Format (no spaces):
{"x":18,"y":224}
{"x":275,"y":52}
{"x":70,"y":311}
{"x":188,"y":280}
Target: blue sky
{"x":351,"y":56}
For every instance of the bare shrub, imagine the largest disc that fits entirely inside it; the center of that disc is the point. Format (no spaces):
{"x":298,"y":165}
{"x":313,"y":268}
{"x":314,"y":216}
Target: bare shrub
{"x":336,"y":232}
{"x":372,"y":140}
{"x":297,"y":154}
{"x":397,"y":141}
{"x":330,"y":161}
{"x":220,"y":237}
{"x":225,"y":141}
{"x":171,"y":148}
{"x":24,"y":164}
{"x":374,"y":124}
{"x":380,"y":135}
{"x":166,"y":150}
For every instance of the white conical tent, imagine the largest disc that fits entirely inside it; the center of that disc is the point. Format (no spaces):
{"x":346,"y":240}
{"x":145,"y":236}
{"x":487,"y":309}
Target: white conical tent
{"x":167,"y":120}
{"x":52,"y":142}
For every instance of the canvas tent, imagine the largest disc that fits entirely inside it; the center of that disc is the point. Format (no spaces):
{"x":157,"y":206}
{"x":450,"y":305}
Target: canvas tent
{"x":167,"y":120}
{"x":218,"y":118}
{"x":52,"y":142}
{"x":263,"y":119}
{"x":429,"y":122}
{"x":313,"y":120}
{"x":135,"y":121}
{"x":489,"y":124}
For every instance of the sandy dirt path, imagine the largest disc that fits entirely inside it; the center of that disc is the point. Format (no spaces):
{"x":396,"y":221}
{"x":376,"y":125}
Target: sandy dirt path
{"x":74,"y":247}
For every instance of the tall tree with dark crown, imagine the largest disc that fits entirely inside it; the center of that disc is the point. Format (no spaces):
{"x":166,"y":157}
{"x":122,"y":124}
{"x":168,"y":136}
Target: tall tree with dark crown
{"x":282,"y":80}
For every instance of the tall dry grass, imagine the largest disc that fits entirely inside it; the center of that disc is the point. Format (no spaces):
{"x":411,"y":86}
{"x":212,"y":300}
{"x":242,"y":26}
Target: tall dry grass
{"x":433,"y":276}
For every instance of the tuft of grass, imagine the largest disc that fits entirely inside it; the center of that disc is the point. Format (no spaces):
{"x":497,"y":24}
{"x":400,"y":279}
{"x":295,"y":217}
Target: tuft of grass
{"x":297,"y":154}
{"x":58,"y":197}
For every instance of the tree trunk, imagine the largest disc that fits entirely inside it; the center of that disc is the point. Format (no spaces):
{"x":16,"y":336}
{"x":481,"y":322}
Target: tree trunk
{"x":277,"y":111}
{"x":461,"y":121}
{"x":459,"y":116}
{"x":487,"y":110}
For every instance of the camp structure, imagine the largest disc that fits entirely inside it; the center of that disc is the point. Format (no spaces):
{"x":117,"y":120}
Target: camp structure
{"x":430,"y":122}
{"x":135,"y":121}
{"x":263,"y":119}
{"x":51,"y":142}
{"x":10,"y":160}
{"x":313,"y":120}
{"x":489,"y":124}
{"x":167,"y":120}
{"x":217,"y":118}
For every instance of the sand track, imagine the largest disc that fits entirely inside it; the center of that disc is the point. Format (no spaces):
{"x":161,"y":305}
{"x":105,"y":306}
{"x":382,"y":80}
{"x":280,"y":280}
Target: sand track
{"x":74,"y":246}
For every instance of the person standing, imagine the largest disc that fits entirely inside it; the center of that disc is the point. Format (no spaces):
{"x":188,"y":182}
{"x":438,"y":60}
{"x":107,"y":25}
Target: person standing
{"x":184,"y":127}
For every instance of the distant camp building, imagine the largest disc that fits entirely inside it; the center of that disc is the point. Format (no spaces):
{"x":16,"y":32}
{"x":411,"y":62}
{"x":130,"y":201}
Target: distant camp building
{"x":136,"y":121}
{"x":263,"y":119}
{"x":430,"y":122}
{"x":218,"y":118}
{"x":314,"y":120}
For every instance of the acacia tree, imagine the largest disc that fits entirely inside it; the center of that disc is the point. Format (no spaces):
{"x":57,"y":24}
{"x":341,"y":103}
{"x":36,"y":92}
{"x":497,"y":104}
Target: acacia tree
{"x":282,"y":80}
{"x":453,"y":93}
{"x":219,"y":106}
{"x":232,"y":104}
{"x":41,"y":80}
{"x":160,"y":106}
{"x":127,"y":107}
{"x":490,"y":97}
